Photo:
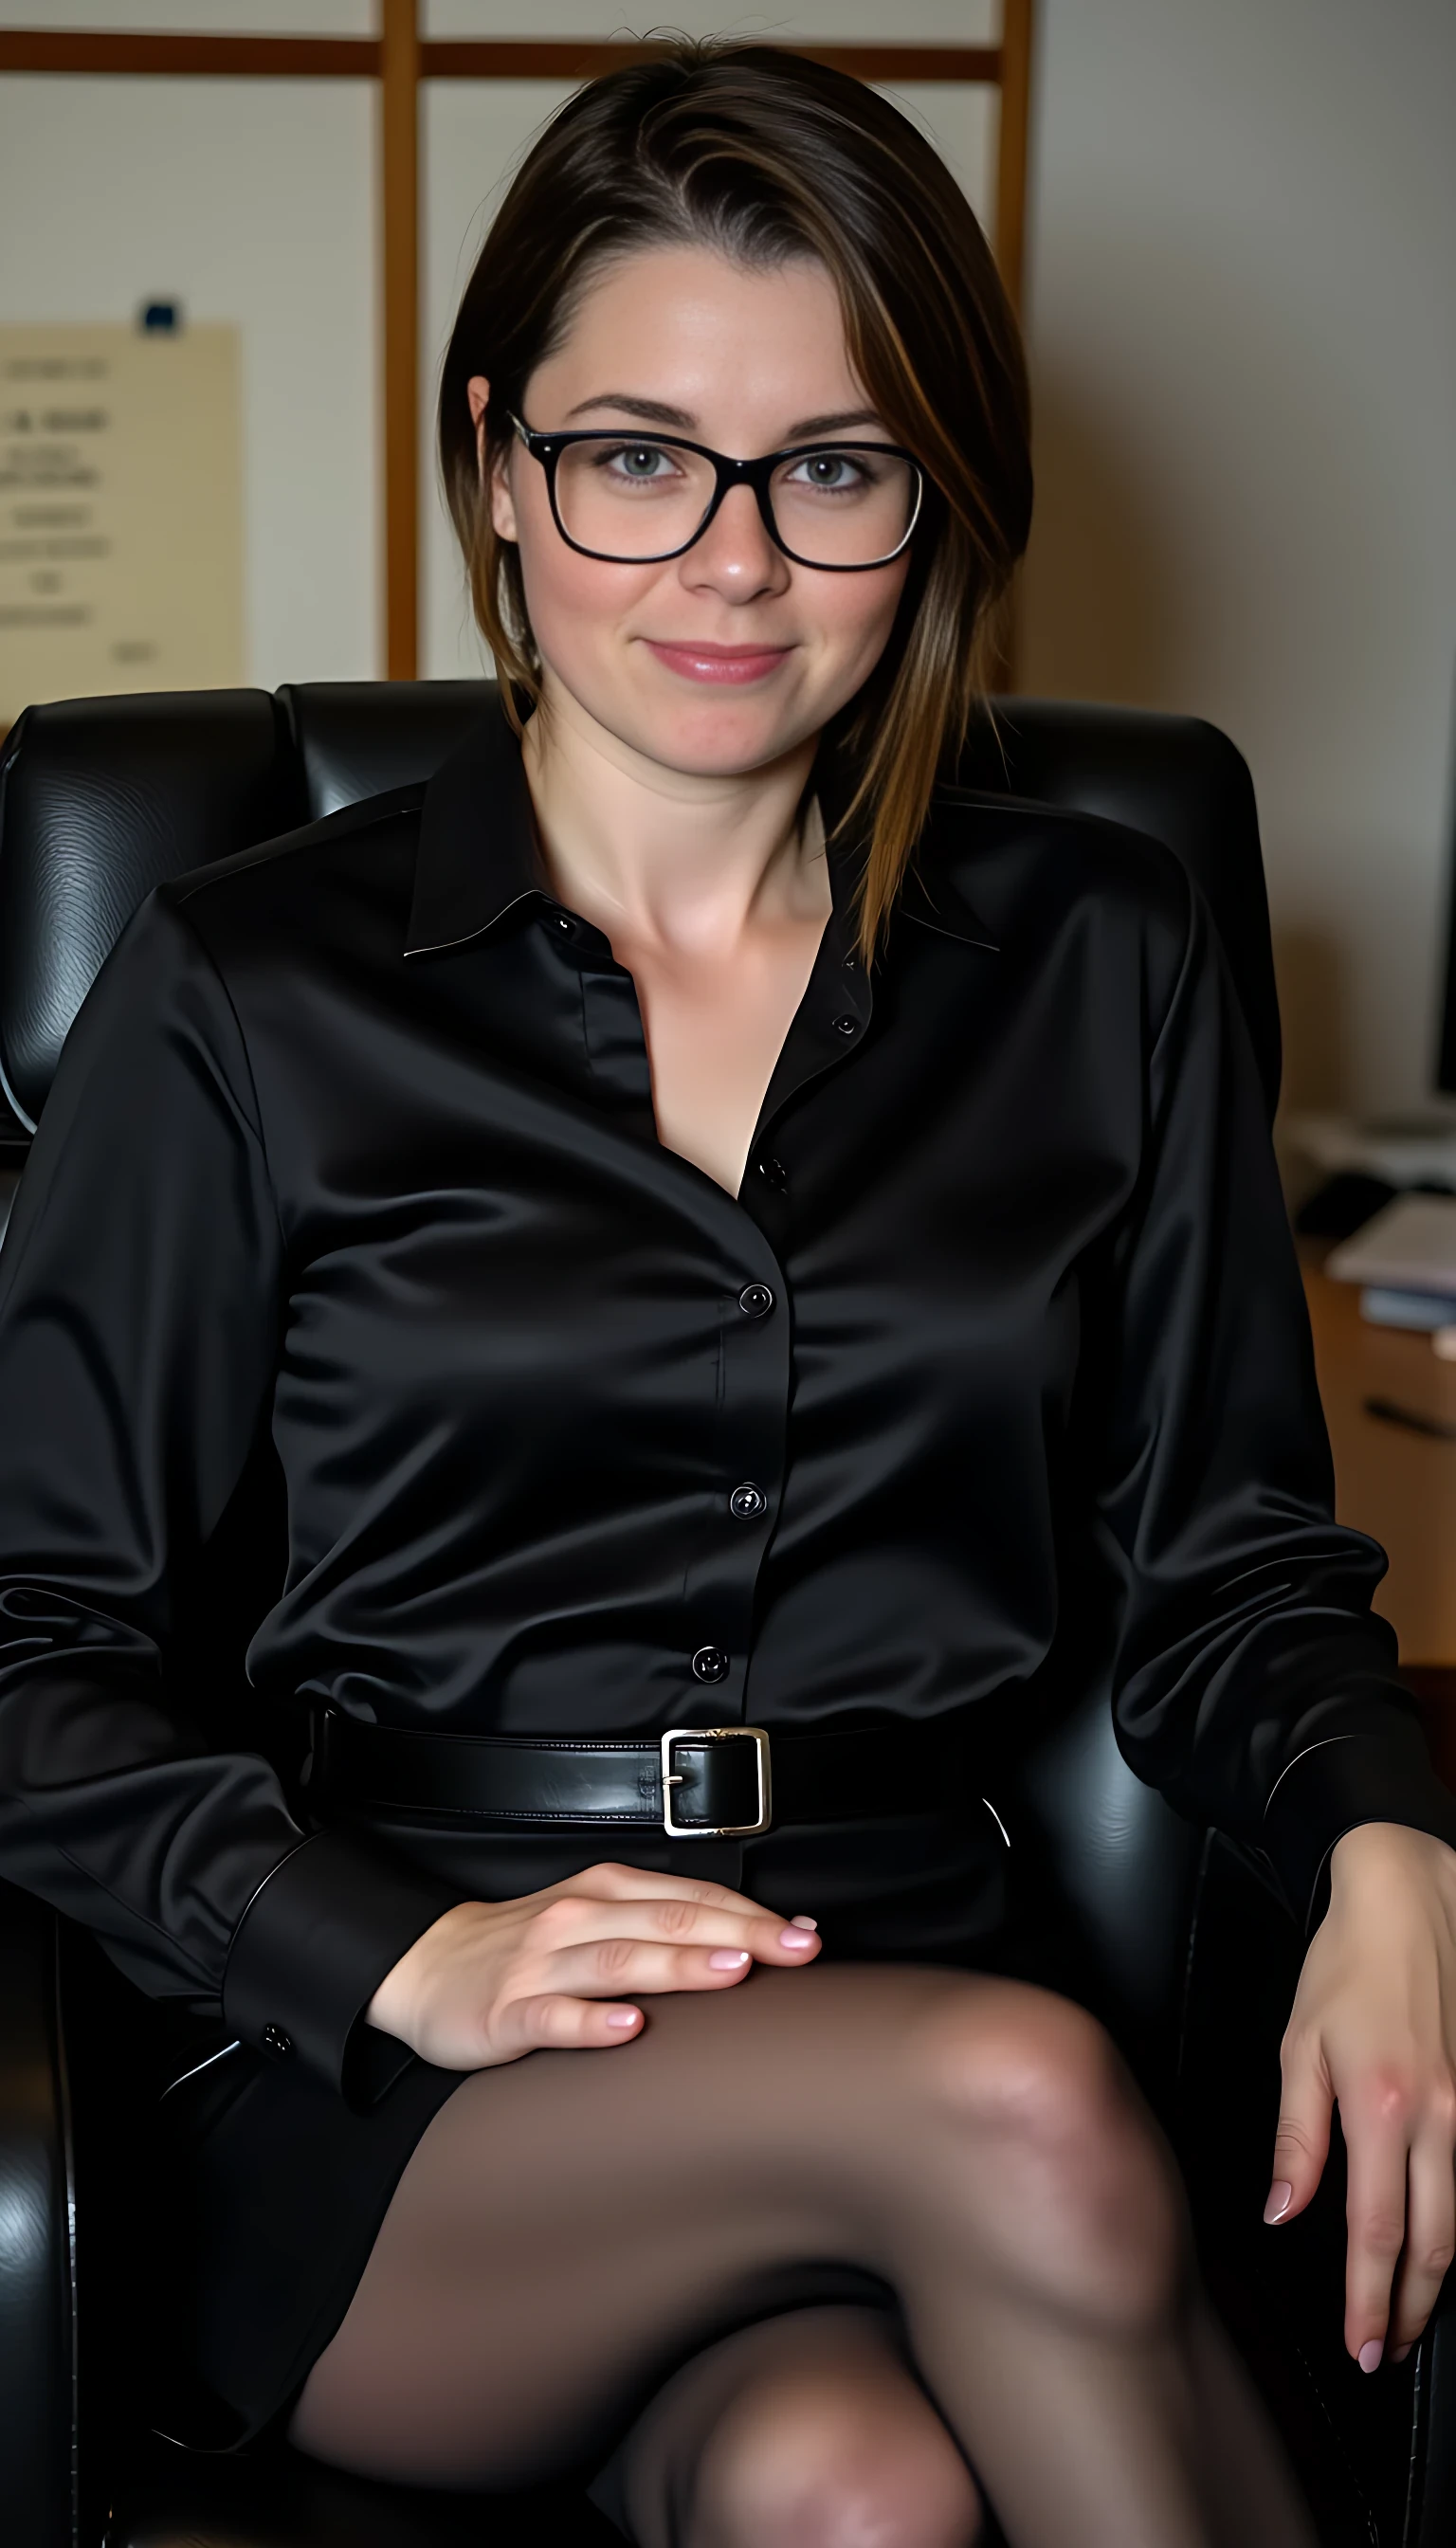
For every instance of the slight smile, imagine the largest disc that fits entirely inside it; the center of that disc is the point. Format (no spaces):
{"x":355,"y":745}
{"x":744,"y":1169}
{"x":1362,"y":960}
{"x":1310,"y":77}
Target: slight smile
{"x":733,"y":664}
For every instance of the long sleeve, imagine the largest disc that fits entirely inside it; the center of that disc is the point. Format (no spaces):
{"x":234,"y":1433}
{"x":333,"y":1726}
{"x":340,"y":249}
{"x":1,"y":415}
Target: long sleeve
{"x":141,"y":1297}
{"x":1252,"y":1686}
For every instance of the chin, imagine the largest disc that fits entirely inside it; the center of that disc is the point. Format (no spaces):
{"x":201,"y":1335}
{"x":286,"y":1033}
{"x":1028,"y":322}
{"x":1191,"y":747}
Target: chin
{"x":723,"y":748}
{"x":706,"y":736}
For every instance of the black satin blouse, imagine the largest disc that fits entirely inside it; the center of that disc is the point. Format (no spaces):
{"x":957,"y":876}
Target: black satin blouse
{"x":353,"y":1139}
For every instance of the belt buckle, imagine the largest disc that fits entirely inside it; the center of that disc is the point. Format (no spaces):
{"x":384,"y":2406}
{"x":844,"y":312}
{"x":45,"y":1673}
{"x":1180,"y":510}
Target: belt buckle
{"x":757,"y":1735}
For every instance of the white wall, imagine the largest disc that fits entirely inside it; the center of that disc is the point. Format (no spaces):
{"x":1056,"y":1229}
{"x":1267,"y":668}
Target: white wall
{"x":1240,"y":313}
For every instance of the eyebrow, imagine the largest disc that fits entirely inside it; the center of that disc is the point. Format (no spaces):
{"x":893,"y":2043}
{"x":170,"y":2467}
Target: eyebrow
{"x":654,"y":412}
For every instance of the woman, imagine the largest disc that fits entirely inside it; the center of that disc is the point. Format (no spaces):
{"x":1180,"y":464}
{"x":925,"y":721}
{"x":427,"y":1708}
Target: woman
{"x":698,"y":1212}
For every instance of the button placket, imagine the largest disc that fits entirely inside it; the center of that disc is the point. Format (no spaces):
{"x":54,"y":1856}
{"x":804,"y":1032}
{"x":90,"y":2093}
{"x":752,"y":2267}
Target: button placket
{"x":749,"y":1443}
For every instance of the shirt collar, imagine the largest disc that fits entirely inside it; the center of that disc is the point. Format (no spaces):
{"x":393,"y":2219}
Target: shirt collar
{"x":478,"y":857}
{"x":931,"y":892}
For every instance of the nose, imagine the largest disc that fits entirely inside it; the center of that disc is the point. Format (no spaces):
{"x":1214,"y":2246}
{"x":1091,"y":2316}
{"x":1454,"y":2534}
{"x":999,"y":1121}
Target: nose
{"x":735,"y":558}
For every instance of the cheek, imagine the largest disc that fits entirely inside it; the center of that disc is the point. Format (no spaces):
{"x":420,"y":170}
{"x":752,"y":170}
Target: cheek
{"x":856,"y":616}
{"x":574,"y":602}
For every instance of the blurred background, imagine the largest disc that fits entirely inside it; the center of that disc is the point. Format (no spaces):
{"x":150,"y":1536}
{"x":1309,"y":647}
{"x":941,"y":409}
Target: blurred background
{"x":1239,"y":237}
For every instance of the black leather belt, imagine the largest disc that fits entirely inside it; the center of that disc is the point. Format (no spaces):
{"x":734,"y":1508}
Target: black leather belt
{"x":707,"y":1783}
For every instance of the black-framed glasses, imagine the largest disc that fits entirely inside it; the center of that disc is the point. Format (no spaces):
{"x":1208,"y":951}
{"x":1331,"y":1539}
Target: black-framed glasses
{"x":637,"y":499}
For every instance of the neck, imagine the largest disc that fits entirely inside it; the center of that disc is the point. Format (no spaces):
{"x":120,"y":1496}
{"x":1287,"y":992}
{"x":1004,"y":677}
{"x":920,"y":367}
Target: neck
{"x":666,"y":858}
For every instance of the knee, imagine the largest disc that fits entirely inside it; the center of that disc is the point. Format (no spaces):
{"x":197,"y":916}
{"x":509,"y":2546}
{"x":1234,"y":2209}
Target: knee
{"x":1047,"y":2157}
{"x":816,"y":2467}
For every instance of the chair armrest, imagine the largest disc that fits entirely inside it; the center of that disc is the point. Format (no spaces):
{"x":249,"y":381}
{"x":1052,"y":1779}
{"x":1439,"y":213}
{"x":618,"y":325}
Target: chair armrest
{"x":38,"y":2281}
{"x":1377,"y":2454}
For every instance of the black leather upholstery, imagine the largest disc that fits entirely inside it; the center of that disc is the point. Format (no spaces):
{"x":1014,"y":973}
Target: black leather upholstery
{"x":357,"y":739}
{"x":1175,"y":777}
{"x":38,"y":2279}
{"x":99,"y":799}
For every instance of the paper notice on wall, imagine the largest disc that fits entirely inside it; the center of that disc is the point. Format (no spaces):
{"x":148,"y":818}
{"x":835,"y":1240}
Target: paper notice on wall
{"x":121,"y":513}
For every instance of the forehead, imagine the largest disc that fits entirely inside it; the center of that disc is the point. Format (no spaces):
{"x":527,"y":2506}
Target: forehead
{"x":685,"y":323}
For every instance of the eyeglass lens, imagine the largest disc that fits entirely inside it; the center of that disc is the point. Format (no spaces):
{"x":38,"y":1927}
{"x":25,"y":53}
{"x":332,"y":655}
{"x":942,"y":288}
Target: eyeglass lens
{"x":836,"y":507}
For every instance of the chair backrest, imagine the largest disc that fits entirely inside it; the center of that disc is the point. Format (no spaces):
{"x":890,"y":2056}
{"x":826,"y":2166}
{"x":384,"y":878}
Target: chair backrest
{"x":100,"y":800}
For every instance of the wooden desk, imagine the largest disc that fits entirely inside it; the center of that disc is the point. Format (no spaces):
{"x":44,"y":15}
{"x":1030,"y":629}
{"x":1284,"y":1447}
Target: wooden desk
{"x":1399,"y":1486}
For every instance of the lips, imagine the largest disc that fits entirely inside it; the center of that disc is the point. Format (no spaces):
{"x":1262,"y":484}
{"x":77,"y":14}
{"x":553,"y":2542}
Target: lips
{"x":731,"y":665}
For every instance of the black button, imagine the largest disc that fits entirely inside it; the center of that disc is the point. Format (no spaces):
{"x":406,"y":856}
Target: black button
{"x":709,"y":1663}
{"x":773,"y":1173}
{"x":276,"y":2041}
{"x":847,"y":1026}
{"x":746,"y":1501}
{"x":756,"y":1300}
{"x":562,"y":922}
{"x":851,"y":964}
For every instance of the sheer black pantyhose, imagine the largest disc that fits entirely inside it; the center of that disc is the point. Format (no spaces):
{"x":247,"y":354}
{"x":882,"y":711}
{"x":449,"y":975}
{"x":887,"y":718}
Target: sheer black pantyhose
{"x":741,"y":2257}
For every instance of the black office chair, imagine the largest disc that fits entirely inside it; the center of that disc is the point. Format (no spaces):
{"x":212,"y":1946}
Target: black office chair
{"x":1184,"y":1953}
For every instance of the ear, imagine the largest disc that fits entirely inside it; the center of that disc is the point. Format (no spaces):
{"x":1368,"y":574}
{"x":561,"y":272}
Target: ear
{"x":503,"y":511}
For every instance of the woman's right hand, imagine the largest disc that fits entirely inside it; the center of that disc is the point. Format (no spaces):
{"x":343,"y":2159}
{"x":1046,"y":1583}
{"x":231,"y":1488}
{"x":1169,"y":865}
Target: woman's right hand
{"x":492,"y":1981}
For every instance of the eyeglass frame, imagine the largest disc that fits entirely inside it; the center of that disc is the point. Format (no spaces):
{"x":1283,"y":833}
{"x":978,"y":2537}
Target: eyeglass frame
{"x":547,"y":448}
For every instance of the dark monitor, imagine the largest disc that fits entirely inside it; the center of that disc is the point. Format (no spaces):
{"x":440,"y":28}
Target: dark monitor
{"x":1446,"y":1054}
{"x":1446,"y":1048}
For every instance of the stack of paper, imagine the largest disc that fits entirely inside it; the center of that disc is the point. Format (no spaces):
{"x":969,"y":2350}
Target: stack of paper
{"x":1405,"y":1261}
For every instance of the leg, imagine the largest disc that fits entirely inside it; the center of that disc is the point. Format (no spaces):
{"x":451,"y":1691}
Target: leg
{"x":574,"y":2225}
{"x":807,"y":2431}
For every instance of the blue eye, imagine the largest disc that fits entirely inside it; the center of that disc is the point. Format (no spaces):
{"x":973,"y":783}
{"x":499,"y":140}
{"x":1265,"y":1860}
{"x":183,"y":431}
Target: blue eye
{"x":641,"y":461}
{"x":832,"y":473}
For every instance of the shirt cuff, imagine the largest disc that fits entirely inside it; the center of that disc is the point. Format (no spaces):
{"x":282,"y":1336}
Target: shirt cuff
{"x":311,"y":1950}
{"x":1384,"y":1776}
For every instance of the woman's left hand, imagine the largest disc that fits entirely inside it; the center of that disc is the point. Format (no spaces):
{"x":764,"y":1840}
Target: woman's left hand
{"x":1373,"y":2028}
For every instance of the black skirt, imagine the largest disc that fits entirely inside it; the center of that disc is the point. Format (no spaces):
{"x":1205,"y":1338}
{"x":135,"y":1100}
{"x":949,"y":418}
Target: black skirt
{"x":268,"y":2191}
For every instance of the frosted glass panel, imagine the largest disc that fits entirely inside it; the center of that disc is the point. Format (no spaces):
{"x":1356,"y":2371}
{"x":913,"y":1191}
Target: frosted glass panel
{"x":198,"y":17}
{"x":247,"y":201}
{"x":475,"y":132}
{"x":825,"y":22}
{"x":962,"y":122}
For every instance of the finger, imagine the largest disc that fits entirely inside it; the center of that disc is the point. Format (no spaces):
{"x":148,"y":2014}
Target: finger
{"x":629,"y":1884}
{"x":625,"y":1966}
{"x":577,"y":1919}
{"x":1431,"y":2237}
{"x":1302,"y":2136}
{"x":1377,"y":2120}
{"x":558,"y":2019}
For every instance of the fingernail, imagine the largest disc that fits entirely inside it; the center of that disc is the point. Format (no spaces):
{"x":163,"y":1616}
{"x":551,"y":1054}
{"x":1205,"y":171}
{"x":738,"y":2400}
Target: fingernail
{"x":796,"y":1936}
{"x":622,"y":2016}
{"x":801,"y":1920}
{"x":1369,"y":2354}
{"x":1400,"y":2352}
{"x":1281,"y":2196}
{"x":726,"y":1960}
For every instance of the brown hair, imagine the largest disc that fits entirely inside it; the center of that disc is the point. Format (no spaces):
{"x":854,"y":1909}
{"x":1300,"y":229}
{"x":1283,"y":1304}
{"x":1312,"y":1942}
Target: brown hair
{"x":767,"y":156}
